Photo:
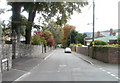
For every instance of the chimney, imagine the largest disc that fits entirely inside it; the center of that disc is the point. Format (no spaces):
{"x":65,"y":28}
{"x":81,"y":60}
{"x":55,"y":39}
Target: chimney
{"x":114,"y":34}
{"x":111,"y":32}
{"x":98,"y":34}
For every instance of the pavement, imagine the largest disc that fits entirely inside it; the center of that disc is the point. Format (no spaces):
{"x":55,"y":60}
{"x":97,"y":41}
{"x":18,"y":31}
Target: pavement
{"x":62,"y":66}
{"x":23,"y":65}
{"x":114,"y":68}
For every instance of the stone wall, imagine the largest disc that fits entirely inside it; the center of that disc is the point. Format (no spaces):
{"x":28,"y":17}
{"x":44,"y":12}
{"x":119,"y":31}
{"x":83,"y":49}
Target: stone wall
{"x":0,"y":56}
{"x":105,"y":54}
{"x":30,"y":50}
{"x":6,"y":56}
{"x":21,"y":50}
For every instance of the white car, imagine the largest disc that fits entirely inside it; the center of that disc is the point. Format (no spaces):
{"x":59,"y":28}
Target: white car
{"x":67,"y":50}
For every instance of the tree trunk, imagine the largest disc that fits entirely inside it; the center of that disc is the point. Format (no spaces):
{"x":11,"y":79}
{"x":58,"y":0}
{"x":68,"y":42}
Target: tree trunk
{"x":16,"y":8}
{"x":16,"y":18}
{"x":29,"y":27}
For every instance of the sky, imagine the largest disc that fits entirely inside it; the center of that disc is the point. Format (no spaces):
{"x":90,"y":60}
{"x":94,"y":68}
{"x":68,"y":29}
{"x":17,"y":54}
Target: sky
{"x":106,"y":16}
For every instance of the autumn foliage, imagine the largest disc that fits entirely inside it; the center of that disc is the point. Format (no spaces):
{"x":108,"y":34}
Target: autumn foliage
{"x":47,"y":36}
{"x":67,"y":29}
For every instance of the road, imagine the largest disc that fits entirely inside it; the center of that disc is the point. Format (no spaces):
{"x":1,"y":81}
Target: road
{"x":60,"y":66}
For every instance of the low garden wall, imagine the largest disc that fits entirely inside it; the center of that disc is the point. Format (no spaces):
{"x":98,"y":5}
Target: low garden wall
{"x":82,"y":50}
{"x":30,"y":50}
{"x":21,"y":50}
{"x":105,"y":54}
{"x":6,"y":57}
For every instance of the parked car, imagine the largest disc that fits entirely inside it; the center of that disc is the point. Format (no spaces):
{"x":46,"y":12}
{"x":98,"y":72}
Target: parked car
{"x":67,"y":50}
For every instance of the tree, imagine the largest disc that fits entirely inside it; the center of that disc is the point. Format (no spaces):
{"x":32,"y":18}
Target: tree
{"x":2,"y":11}
{"x":57,"y":32}
{"x":67,"y":29}
{"x":23,"y":25}
{"x":72,"y":36}
{"x":49,"y":38}
{"x":75,"y":37}
{"x":83,"y":37}
{"x":16,"y":18}
{"x":78,"y":38}
{"x":59,"y":10}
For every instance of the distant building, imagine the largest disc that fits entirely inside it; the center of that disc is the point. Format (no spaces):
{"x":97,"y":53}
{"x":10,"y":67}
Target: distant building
{"x":112,"y":33}
{"x":108,"y":39}
{"x":107,"y":36}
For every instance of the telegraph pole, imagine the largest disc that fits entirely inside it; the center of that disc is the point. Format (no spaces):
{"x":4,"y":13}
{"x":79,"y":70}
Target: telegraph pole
{"x":93,"y":29}
{"x":93,"y":19}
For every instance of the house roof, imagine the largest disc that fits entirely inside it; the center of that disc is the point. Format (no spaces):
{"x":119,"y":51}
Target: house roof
{"x":106,"y":39}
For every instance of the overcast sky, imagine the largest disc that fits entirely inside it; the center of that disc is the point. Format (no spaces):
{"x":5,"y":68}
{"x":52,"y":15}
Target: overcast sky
{"x":106,"y":16}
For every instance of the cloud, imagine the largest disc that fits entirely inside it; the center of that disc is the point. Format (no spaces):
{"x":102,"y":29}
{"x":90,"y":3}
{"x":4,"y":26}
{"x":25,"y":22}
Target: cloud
{"x":106,"y":16}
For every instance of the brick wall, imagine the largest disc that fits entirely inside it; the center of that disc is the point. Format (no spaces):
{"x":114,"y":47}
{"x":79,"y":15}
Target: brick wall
{"x":114,"y":55}
{"x":73,"y":48}
{"x":105,"y":54}
{"x":82,"y":50}
{"x":101,"y":53}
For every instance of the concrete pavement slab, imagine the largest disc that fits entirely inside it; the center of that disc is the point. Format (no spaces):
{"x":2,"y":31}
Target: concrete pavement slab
{"x":12,"y":74}
{"x":108,"y":67}
{"x":21,"y":66}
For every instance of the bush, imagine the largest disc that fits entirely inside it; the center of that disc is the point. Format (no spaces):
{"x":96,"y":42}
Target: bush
{"x":98,"y":42}
{"x":76,"y":44}
{"x":71,"y":44}
{"x":118,"y":40}
{"x":36,"y":40}
{"x":79,"y":44}
{"x":112,"y":45}
{"x":8,"y":42}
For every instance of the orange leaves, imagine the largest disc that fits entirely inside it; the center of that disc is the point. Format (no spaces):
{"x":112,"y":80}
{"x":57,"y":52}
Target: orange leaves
{"x":66,"y":29}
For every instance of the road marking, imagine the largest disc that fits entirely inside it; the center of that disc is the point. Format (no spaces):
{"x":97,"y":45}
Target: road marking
{"x":103,"y":70}
{"x":62,"y":65}
{"x":48,"y":56}
{"x":87,"y":61}
{"x":43,"y":60}
{"x":109,"y":72}
{"x":117,"y":78}
{"x":28,"y":73}
{"x":23,"y":76}
{"x":112,"y":75}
